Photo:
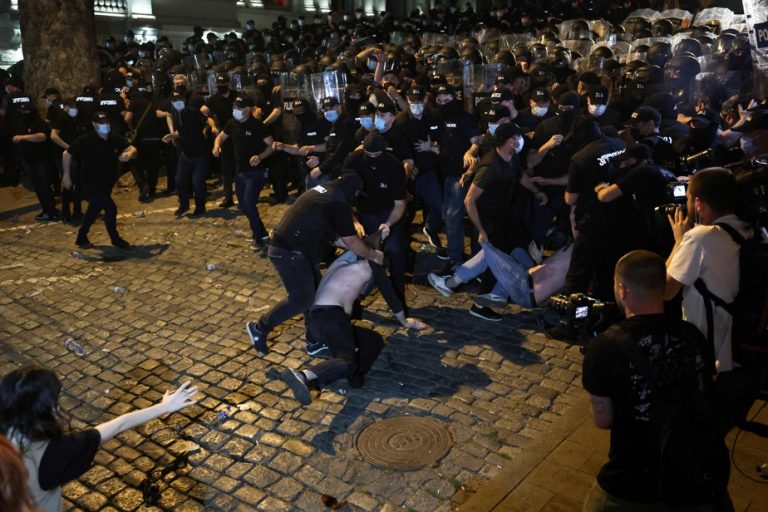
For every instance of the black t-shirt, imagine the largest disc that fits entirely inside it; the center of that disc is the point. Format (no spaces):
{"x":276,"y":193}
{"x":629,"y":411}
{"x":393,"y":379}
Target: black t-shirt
{"x":98,"y":157}
{"x":113,"y":104}
{"x":152,"y":127}
{"x":337,"y":148}
{"x":27,"y":124}
{"x":455,"y":140}
{"x":314,"y":130}
{"x":68,"y":458}
{"x":647,"y":184}
{"x":554,"y":163}
{"x":661,"y":148}
{"x":248,"y":139}
{"x":316,"y":219}
{"x":67,"y":127}
{"x":397,"y":144}
{"x":530,"y":122}
{"x":383,"y":181}
{"x":610,"y":117}
{"x":677,"y":352}
{"x":221,"y":108}
{"x":590,"y":166}
{"x":415,"y":130}
{"x":497,"y":178}
{"x":191,"y":124}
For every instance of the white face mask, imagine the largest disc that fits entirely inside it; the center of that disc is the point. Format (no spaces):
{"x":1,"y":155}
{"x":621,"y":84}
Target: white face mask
{"x":596,"y":110}
{"x":539,"y":111}
{"x":238,"y":114}
{"x":492,"y":128}
{"x":72,"y":112}
{"x":178,"y":105}
{"x":416,"y":109}
{"x":520,"y":144}
{"x":103,"y":128}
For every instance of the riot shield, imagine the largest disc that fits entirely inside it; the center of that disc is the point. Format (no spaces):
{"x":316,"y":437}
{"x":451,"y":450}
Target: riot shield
{"x":580,"y":46}
{"x":679,"y":17}
{"x":719,"y":15}
{"x":294,"y":87}
{"x":328,"y":84}
{"x":649,"y":14}
{"x":478,"y":83}
{"x":509,"y":41}
{"x":732,"y":81}
{"x":600,"y":27}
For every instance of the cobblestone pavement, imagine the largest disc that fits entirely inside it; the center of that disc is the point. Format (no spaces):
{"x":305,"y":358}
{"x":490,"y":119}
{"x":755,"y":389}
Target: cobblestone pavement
{"x":497,"y":386}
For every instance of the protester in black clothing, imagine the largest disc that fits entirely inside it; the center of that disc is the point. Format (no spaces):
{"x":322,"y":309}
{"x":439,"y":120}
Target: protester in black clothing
{"x":597,"y":107}
{"x":319,"y":216}
{"x":645,"y":130}
{"x":189,"y":135}
{"x":622,"y":398}
{"x":539,"y":109}
{"x":339,"y":144}
{"x":252,"y":143}
{"x":218,"y":107}
{"x":64,"y":131}
{"x":33,"y":153}
{"x":150,"y":128}
{"x":99,"y":152}
{"x":599,"y":241}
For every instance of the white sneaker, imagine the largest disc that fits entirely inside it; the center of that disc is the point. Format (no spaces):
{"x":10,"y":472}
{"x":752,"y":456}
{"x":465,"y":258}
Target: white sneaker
{"x":536,"y":252}
{"x":491,"y":300}
{"x":438,"y":283}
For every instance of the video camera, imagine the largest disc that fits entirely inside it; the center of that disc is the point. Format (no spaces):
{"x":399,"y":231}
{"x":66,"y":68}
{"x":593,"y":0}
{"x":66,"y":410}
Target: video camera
{"x":689,"y":164}
{"x":584,"y":315}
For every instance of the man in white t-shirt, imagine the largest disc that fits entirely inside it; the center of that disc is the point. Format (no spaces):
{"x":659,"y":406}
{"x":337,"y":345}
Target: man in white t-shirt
{"x":703,"y":250}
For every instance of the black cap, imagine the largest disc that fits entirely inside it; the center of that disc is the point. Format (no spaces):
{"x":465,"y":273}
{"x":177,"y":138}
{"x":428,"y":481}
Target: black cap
{"x":243,"y":100}
{"x":416,"y":93}
{"x":366,"y":109}
{"x":589,"y":78}
{"x":16,"y":81}
{"x":495,"y":112}
{"x":569,"y":98}
{"x":637,"y":151}
{"x":598,"y":95}
{"x":100,"y":117}
{"x":445,"y":89}
{"x":386,"y":106}
{"x":505,"y":132}
{"x":502,"y":95}
{"x":329,"y":101}
{"x":373,"y":143}
{"x":540,"y":94}
{"x":644,"y":114}
{"x":51,"y":90}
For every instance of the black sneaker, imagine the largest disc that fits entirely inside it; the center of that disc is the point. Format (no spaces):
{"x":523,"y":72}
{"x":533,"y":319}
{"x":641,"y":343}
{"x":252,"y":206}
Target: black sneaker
{"x":318,"y":349}
{"x":46,"y":217}
{"x":120,"y":243}
{"x":298,"y":385}
{"x":197,"y":213}
{"x":180,"y":212}
{"x":83,"y":242}
{"x":484,"y":313}
{"x":258,"y":337}
{"x":442,"y":254}
{"x":227,"y":203}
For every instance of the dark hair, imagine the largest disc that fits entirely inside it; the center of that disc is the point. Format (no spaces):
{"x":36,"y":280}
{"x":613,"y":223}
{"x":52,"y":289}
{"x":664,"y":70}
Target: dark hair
{"x":717,"y":187}
{"x":29,"y":404}
{"x":14,"y":492}
{"x":643,"y":271}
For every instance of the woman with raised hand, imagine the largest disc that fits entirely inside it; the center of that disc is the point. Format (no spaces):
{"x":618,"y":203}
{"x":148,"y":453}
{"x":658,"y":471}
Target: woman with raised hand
{"x":30,"y":416}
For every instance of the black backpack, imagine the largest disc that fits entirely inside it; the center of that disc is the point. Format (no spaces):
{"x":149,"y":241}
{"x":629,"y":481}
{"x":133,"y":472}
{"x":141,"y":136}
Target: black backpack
{"x":687,"y":455}
{"x":750,"y":308}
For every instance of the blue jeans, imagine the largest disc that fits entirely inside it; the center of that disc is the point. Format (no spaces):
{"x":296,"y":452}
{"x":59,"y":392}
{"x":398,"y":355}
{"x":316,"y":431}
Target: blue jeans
{"x":510,"y":271}
{"x":194,"y":170}
{"x":427,"y":190}
{"x":453,"y":215}
{"x":248,"y":185}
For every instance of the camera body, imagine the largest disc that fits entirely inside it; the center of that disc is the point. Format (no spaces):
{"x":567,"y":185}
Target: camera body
{"x":576,"y":307}
{"x":676,"y":192}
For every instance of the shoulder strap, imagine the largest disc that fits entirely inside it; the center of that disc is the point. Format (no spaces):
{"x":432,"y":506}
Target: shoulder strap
{"x":735,"y":235}
{"x":636,"y":356}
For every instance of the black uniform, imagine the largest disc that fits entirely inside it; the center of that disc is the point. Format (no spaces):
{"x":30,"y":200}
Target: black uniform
{"x":340,"y":143}
{"x":149,"y":133}
{"x":68,"y":130}
{"x":220,"y":106}
{"x":35,"y":159}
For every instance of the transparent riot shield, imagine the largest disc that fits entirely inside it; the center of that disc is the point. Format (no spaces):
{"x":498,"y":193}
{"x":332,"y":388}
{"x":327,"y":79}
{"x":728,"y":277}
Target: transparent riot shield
{"x":238,"y":81}
{"x":478,"y":83}
{"x":328,"y":84}
{"x":679,"y":17}
{"x":705,"y":83}
{"x":455,"y":73}
{"x":600,"y":27}
{"x":721,"y":15}
{"x":581,"y":46}
{"x":201,"y":60}
{"x":397,"y":37}
{"x":294,"y":87}
{"x":509,"y":41}
{"x":649,"y":14}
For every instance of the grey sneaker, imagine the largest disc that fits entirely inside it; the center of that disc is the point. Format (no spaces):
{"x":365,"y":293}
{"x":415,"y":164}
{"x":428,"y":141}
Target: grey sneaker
{"x":438,"y":283}
{"x":298,"y":385}
{"x":491,"y":300}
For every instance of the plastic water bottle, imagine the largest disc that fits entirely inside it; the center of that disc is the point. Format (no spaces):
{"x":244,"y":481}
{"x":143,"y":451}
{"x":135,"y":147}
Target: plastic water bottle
{"x":140,"y":214}
{"x":79,"y":256}
{"x":119,"y":290}
{"x":210,"y":267}
{"x":73,"y":346}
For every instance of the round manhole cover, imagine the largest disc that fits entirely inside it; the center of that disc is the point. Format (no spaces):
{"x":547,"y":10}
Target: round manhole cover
{"x":405,"y":442}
